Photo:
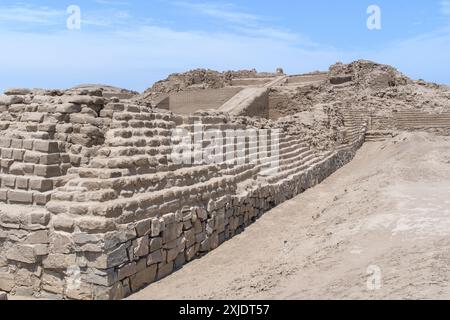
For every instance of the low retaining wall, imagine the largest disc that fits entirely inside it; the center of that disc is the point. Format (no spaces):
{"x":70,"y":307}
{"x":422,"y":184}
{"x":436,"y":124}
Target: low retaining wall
{"x":250,"y":102}
{"x":188,"y":102}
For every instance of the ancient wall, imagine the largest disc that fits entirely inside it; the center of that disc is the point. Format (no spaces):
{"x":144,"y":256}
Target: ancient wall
{"x":120,"y":212}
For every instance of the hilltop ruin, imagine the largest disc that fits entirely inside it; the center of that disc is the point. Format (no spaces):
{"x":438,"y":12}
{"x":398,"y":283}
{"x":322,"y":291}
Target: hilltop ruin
{"x":94,"y":205}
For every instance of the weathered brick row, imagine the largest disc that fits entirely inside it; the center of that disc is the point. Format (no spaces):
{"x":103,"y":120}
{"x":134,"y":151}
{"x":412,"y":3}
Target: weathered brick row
{"x":27,"y":197}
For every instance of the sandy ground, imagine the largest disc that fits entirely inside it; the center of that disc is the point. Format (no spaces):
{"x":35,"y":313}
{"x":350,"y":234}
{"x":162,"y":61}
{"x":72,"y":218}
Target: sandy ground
{"x":377,"y":228}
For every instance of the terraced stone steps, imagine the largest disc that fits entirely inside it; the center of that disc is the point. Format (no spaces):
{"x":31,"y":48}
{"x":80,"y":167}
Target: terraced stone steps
{"x":128,"y":186}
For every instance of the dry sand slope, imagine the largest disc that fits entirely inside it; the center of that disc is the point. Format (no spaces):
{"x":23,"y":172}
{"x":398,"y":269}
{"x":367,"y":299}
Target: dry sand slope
{"x":389,"y":208}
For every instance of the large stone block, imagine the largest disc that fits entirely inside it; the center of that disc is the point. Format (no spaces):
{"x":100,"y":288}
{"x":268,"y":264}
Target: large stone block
{"x":59,"y":261}
{"x":20,"y":197}
{"x":111,"y":259}
{"x":143,"y":278}
{"x":95,"y":224}
{"x":22,"y":253}
{"x":6,"y":281}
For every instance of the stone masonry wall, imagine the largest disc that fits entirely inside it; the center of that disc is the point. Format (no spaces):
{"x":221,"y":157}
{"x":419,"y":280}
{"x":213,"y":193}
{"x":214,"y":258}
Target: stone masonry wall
{"x":124,"y":215}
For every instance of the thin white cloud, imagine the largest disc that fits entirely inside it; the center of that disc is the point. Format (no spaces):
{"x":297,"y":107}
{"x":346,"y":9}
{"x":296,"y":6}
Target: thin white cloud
{"x":226,"y":12}
{"x":243,"y":22}
{"x":138,"y":57}
{"x":30,"y":15}
{"x":106,"y":18}
{"x":25,"y":17}
{"x":112,"y":2}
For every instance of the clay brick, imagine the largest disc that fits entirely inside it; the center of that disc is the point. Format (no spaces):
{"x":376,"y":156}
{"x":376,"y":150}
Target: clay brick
{"x":22,"y":253}
{"x":41,"y":198}
{"x":17,"y":168}
{"x":59,"y":261}
{"x":127,"y":270}
{"x":32,"y":117}
{"x":143,"y":227}
{"x":46,"y":146}
{"x":164,"y":269}
{"x":20,"y":197}
{"x":9,"y":181}
{"x":47,"y":127}
{"x":111,"y":259}
{"x":5,"y":142}
{"x":6,"y":281}
{"x":155,"y":244}
{"x":40,"y":217}
{"x":3,"y":195}
{"x":16,"y":143}
{"x":7,"y":153}
{"x":31,"y":157}
{"x":47,"y":171}
{"x":28,"y":144}
{"x":143,"y":278}
{"x":155,"y":257}
{"x":141,"y":246}
{"x":41,"y":184}
{"x":68,"y":108}
{"x":18,"y":154}
{"x":22,"y":183}
{"x":6,"y":163}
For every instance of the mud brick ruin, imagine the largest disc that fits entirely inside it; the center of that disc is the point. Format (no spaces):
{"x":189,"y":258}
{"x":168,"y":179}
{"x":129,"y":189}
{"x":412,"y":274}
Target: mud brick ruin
{"x":93,"y":205}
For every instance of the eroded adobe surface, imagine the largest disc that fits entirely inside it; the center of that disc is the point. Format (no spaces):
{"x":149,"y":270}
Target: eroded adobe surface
{"x":94,"y":205}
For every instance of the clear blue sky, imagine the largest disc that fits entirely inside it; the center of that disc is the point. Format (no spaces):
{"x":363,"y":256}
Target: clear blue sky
{"x":131,"y":44}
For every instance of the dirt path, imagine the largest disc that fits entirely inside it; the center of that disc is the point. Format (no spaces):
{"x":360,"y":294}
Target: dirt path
{"x":382,"y":219}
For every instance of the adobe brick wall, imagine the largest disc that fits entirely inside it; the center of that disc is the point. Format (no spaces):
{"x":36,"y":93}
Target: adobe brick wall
{"x":124,"y":214}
